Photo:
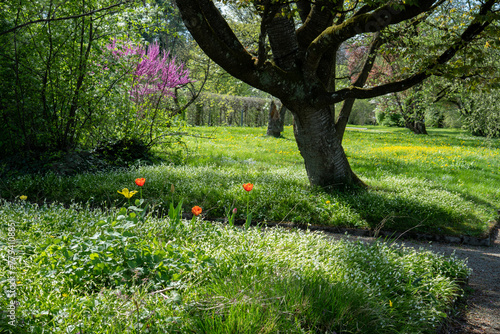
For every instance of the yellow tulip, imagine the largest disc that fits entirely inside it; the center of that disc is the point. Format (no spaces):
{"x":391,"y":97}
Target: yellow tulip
{"x":128,"y":194}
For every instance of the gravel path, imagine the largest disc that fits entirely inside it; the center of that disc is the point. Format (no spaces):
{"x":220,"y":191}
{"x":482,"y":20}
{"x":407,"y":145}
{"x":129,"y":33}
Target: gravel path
{"x":481,"y":314}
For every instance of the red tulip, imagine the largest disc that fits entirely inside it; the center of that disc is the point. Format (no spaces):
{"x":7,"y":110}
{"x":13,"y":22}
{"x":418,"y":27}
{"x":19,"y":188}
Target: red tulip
{"x":196,"y":210}
{"x":248,"y":186}
{"x":140,"y":181}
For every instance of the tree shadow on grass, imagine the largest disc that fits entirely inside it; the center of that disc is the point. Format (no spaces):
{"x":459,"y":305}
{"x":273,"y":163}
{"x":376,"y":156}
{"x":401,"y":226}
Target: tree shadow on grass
{"x":388,"y":210}
{"x":395,"y":168}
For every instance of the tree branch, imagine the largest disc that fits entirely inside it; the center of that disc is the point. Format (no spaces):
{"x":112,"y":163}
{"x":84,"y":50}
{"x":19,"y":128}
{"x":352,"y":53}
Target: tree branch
{"x":92,"y":12}
{"x":318,"y":20}
{"x":214,"y":35}
{"x":267,"y":16}
{"x":476,"y":27}
{"x":218,"y":41}
{"x":358,"y":24}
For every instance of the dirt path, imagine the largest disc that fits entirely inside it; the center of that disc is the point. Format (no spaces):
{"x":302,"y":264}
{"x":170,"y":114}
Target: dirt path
{"x":481,"y":314}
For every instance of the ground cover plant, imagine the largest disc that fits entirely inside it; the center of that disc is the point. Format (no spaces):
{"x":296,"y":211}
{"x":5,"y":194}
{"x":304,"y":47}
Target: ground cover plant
{"x":444,"y":183}
{"x":82,"y":270}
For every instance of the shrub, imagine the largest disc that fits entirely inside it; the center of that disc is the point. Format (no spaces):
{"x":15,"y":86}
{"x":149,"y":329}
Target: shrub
{"x":115,"y":255}
{"x":123,"y":151}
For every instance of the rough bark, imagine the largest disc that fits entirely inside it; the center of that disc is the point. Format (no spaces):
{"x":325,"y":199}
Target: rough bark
{"x":412,"y":111}
{"x":281,"y":32}
{"x":324,"y":157}
{"x":417,"y":127}
{"x":276,"y":121}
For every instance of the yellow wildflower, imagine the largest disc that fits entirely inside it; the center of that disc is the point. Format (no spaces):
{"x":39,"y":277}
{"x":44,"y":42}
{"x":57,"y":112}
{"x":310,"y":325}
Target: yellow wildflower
{"x":390,"y":303}
{"x":128,"y":194}
{"x":23,"y":197}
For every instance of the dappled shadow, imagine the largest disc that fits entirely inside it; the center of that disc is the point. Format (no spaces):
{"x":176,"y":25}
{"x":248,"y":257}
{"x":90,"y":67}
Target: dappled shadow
{"x":389,"y":210}
{"x":435,"y":174}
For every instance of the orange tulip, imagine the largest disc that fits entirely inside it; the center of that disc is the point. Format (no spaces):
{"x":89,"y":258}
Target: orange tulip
{"x":196,"y":210}
{"x":248,"y":186}
{"x":140,"y":181}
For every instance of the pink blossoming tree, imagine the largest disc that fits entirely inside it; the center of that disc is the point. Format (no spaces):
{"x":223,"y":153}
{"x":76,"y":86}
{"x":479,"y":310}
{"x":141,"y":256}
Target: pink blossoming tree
{"x":150,"y":79}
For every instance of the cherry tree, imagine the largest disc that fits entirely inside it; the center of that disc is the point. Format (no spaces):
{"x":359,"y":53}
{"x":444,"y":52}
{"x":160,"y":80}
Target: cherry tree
{"x":300,"y":69}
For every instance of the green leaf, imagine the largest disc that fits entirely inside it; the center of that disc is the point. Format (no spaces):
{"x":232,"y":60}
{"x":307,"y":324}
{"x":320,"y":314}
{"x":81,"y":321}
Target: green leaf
{"x":248,"y":221}
{"x":101,"y":223}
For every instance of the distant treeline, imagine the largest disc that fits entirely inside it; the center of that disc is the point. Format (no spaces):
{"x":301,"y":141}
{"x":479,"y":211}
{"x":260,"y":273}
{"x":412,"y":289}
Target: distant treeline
{"x":220,"y":110}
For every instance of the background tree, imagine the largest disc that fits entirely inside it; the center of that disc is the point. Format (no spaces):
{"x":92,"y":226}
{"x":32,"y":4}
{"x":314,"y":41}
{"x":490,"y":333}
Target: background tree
{"x":63,"y":89}
{"x":46,"y":96}
{"x":301,"y":72}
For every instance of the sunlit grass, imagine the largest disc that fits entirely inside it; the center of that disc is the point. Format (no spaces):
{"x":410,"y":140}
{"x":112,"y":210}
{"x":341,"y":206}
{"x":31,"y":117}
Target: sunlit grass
{"x":219,"y":279}
{"x":448,"y":181}
{"x":444,"y":183}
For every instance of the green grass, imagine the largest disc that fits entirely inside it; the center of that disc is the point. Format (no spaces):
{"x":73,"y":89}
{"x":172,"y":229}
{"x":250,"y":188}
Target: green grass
{"x":89,"y":271}
{"x":82,"y":265}
{"x":444,"y":183}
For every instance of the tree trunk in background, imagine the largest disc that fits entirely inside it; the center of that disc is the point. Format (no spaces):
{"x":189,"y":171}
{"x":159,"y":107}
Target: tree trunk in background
{"x":412,"y":111}
{"x":416,"y":126}
{"x":276,"y":120}
{"x":198,"y":118}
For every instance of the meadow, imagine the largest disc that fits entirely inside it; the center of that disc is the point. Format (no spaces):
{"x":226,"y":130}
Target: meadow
{"x":87,"y":260}
{"x":444,"y":183}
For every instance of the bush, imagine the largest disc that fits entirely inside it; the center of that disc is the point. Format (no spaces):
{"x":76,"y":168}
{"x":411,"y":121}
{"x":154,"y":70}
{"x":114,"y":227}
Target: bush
{"x":362,"y":113}
{"x":123,"y":151}
{"x":387,"y":118}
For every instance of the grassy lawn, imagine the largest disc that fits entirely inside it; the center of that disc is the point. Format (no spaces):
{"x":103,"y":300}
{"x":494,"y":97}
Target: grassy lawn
{"x":444,"y":183}
{"x":83,"y":264}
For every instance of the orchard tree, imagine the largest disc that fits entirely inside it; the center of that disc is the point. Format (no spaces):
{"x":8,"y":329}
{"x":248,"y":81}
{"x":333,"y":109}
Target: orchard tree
{"x":413,"y":105}
{"x":300,"y":70}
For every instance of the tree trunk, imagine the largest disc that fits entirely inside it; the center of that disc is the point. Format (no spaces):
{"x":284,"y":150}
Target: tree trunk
{"x":412,"y":112}
{"x":198,"y":117}
{"x":276,"y":120}
{"x":324,"y":157}
{"x":417,"y":127}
